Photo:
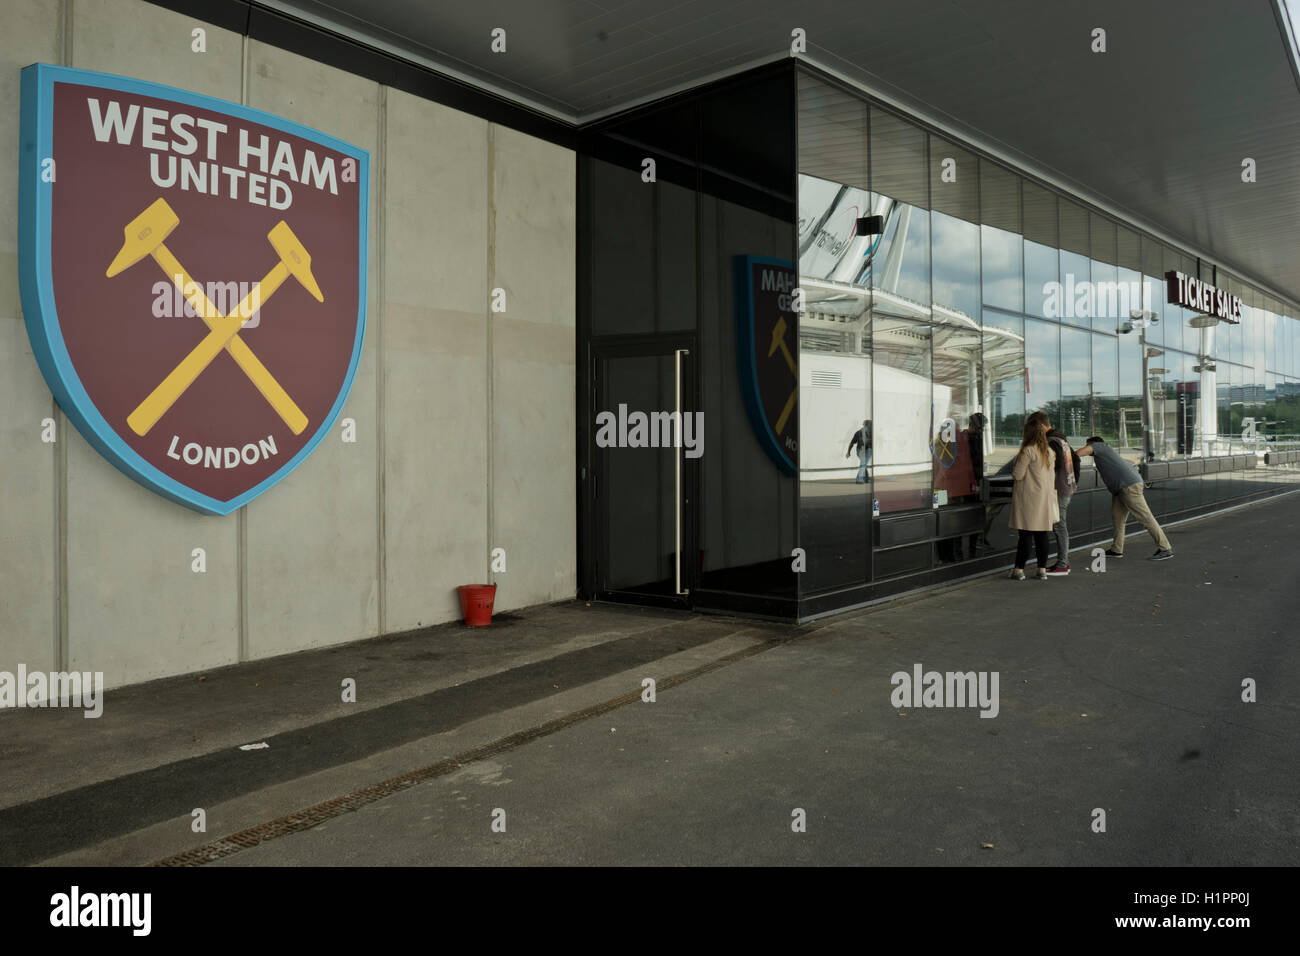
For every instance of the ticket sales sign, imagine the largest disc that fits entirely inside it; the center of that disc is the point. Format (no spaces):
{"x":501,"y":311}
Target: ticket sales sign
{"x":1202,"y":297}
{"x":193,"y":277}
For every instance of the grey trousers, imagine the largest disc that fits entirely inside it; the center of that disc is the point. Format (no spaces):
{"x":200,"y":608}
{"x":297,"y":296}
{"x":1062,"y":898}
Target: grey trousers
{"x":1062,"y":529}
{"x":1132,"y":499}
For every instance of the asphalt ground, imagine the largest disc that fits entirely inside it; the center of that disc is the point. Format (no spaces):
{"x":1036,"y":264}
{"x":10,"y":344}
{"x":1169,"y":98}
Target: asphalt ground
{"x":1120,"y":702}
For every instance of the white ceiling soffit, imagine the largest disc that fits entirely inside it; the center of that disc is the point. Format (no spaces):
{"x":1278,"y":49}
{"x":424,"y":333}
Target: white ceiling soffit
{"x":1156,"y":127}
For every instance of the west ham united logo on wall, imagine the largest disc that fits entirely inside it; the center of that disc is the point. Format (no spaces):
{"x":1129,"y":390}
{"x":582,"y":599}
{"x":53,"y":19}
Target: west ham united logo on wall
{"x":193,"y":279}
{"x":767,"y":343}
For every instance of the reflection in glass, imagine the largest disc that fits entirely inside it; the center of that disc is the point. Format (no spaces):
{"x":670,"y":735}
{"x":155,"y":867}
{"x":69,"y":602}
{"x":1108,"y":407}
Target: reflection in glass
{"x":1076,"y":289}
{"x":1043,"y":293}
{"x":902,"y":420}
{"x":1130,"y":298}
{"x":1076,"y":417}
{"x":1105,"y":388}
{"x":1187,"y":389}
{"x":901,"y":273}
{"x":900,"y":321}
{"x":957,"y":446}
{"x":955,"y":251}
{"x":1153,"y":300}
{"x":1130,"y":396}
{"x":1234,"y":342}
{"x":1237,"y":402}
{"x":1110,"y":301}
{"x":1267,"y":333}
{"x":957,"y":449}
{"x":1295,"y":350}
{"x":830,"y":247}
{"x":1002,"y":268}
{"x":835,"y":470}
{"x":1042,"y":368}
{"x":1271,"y":423}
{"x":1004,"y":385}
{"x":1164,"y":370}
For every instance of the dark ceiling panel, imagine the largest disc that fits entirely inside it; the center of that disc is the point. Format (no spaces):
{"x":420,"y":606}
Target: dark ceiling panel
{"x":1157,"y":126}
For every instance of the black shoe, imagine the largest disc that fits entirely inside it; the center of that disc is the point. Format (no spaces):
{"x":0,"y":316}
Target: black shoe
{"x":1114,"y":554}
{"x":1161,"y":555}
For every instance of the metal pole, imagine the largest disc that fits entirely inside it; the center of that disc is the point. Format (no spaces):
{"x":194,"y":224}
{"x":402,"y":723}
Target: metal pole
{"x":1147,"y":443}
{"x":677,"y":463}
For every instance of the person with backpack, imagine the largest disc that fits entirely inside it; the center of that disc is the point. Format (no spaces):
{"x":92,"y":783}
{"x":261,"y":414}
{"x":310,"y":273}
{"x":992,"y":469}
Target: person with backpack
{"x":1033,"y":498}
{"x":1067,"y":479}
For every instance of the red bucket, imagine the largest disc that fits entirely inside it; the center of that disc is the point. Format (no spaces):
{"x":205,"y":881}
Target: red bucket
{"x":476,"y":603}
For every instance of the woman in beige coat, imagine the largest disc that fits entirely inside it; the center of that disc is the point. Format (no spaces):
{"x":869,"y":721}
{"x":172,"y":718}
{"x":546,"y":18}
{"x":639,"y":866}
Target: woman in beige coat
{"x":1033,"y":501}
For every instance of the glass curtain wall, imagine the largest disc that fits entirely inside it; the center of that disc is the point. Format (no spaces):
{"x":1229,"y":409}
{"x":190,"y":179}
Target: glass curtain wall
{"x":901,"y":328}
{"x":945,"y":297}
{"x":748,"y":508}
{"x":837,"y":458}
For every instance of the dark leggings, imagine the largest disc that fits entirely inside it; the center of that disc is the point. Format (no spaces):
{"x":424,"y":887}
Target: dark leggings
{"x":1039,"y":541}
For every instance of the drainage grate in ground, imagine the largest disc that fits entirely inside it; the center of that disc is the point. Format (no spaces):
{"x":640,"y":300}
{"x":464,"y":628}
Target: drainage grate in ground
{"x":314,"y":815}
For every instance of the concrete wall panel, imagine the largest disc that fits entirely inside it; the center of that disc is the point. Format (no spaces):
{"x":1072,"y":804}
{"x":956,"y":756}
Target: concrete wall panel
{"x":27,"y":558}
{"x":145,"y":42}
{"x":533,"y":455}
{"x":435,"y":210}
{"x":434,"y":362}
{"x":534,"y":202}
{"x":136,"y":608}
{"x":435,"y":462}
{"x":534,"y":511}
{"x":312,"y":541}
{"x":28,"y":620}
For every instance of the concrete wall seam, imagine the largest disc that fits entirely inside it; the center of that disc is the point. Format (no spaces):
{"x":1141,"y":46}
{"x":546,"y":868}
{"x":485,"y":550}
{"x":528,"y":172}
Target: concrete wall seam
{"x":241,"y":516}
{"x":489,"y":368}
{"x":380,"y":176}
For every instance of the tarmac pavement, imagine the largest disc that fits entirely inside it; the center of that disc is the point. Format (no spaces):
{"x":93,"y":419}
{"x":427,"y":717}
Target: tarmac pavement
{"x":1119,"y":693}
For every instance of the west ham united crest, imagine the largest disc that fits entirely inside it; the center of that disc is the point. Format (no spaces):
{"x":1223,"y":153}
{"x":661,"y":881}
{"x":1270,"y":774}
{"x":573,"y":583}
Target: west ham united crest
{"x":767,"y":343}
{"x":193,"y":279}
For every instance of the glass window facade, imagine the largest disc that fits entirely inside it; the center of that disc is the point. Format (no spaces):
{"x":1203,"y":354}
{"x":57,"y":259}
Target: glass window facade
{"x":863,"y":312}
{"x":957,"y":296}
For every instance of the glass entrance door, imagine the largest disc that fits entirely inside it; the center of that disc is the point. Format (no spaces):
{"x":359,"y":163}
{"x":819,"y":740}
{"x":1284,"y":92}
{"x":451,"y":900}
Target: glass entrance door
{"x":648,"y":437}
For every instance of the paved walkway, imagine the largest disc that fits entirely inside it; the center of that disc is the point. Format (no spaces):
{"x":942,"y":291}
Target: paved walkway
{"x":1118,"y":691}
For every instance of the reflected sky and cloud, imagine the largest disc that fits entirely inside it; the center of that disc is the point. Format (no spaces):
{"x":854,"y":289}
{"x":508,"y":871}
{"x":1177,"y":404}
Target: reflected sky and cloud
{"x":942,"y":318}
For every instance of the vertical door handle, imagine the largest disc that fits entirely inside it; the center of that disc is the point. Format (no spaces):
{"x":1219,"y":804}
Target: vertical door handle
{"x":677,"y":464}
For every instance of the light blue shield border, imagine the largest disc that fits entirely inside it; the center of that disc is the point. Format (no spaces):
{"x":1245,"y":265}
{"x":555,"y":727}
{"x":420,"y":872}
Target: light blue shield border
{"x":34,"y":202}
{"x":745,"y":355}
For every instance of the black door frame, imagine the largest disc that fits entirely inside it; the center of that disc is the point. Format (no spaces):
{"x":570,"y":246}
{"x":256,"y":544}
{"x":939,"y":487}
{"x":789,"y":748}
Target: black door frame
{"x":592,"y":544}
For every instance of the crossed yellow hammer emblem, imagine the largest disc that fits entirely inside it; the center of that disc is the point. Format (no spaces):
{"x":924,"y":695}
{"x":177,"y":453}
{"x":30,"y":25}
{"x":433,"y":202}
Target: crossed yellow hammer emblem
{"x":145,"y":235}
{"x":778,"y":342}
{"x":943,"y":451}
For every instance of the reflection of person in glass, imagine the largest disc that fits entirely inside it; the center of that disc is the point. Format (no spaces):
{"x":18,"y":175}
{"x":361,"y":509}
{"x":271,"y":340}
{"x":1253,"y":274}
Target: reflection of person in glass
{"x":975,"y":435}
{"x":954,"y":462}
{"x":862,"y":441}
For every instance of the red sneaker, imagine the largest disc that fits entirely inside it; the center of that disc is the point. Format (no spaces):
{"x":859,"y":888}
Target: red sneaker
{"x":1059,"y":571}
